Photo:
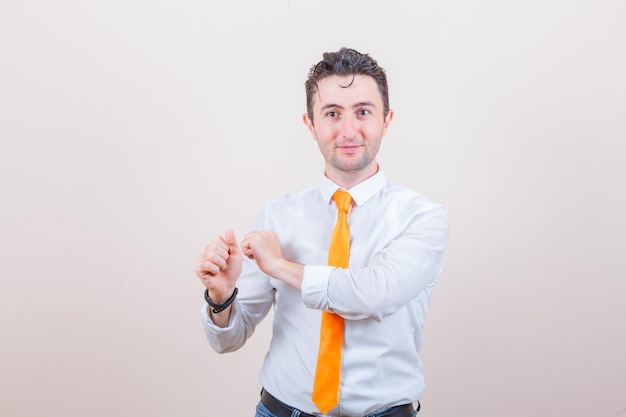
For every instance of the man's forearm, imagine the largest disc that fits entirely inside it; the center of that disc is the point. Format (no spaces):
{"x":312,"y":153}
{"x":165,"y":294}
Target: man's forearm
{"x":289,"y":272}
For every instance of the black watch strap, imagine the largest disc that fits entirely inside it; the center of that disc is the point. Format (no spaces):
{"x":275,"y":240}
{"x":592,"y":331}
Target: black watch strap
{"x":216,"y":308}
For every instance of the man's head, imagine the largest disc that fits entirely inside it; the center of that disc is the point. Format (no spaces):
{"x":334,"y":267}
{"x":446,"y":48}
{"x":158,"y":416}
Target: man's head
{"x":345,"y":62}
{"x":347,"y":98}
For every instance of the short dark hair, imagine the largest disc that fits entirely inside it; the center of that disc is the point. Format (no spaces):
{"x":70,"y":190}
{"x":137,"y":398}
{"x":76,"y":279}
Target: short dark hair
{"x":346,"y":61}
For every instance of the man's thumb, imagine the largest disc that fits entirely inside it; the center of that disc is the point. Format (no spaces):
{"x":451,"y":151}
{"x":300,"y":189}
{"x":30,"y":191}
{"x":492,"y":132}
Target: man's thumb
{"x":231,"y":240}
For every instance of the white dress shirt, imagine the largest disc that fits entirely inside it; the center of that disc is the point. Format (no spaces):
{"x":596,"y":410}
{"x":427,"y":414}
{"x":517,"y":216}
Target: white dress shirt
{"x":398,"y":239}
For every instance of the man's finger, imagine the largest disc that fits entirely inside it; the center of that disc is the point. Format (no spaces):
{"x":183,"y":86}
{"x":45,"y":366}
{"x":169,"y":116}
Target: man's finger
{"x":231,"y":240}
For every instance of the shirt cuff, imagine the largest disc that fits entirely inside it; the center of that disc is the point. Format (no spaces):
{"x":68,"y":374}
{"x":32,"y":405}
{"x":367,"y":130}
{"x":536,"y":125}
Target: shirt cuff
{"x":206,"y":318}
{"x":315,"y":286}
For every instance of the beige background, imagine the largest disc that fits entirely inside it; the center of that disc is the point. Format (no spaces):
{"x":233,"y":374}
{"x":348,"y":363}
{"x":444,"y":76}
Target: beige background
{"x":134,"y":131}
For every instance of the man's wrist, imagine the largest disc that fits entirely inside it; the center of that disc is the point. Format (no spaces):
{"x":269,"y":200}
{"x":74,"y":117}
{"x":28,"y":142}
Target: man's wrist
{"x":218,"y":307}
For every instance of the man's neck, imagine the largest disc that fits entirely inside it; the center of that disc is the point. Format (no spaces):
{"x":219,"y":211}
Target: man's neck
{"x":348,"y":179}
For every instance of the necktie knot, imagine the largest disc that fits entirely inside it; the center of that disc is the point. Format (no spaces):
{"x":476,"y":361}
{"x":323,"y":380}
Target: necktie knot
{"x":343,"y":200}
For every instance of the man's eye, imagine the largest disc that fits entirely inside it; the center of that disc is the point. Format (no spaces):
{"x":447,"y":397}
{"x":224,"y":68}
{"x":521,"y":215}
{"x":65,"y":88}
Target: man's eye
{"x":364,"y":112}
{"x":332,"y":114}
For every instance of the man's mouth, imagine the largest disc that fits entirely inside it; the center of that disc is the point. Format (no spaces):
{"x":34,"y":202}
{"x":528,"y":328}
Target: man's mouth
{"x":349,"y":149}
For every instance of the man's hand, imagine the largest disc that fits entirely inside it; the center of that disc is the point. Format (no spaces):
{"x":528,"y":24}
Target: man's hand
{"x":219,"y":266}
{"x":264,"y":248}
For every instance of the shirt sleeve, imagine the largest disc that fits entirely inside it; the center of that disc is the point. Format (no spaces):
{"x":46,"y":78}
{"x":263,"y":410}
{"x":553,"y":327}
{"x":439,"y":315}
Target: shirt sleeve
{"x":253,"y":302}
{"x":407,"y":264}
{"x":224,"y":339}
{"x":315,"y":286}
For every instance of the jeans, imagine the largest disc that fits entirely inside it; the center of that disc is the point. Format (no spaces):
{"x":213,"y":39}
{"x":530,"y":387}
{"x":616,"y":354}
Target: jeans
{"x":261,"y":411}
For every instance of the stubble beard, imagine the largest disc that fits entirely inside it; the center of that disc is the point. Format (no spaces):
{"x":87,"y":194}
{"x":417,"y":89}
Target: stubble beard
{"x":350,"y":166}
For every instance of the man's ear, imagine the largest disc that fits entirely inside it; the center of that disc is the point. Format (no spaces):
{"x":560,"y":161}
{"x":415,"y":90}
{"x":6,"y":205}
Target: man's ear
{"x":309,"y":124}
{"x":388,"y":119}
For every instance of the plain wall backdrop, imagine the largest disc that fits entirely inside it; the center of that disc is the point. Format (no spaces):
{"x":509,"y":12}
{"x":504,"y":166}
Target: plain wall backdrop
{"x":133,"y":132}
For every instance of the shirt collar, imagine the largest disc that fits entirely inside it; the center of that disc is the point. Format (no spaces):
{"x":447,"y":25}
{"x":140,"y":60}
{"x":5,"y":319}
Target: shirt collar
{"x":360,"y":193}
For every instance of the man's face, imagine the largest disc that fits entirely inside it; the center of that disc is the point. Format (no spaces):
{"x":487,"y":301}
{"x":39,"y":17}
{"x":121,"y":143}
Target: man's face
{"x":348,"y":125}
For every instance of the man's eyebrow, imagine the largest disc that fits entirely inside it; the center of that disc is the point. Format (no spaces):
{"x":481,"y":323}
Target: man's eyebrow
{"x":355,"y":106}
{"x":364,"y":104}
{"x":331,"y":106}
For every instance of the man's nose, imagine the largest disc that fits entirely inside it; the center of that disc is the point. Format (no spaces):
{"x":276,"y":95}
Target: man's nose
{"x":348,"y":127}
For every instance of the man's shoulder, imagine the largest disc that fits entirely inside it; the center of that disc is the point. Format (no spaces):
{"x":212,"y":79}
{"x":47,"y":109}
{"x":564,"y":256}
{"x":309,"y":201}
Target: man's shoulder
{"x":409,"y":196}
{"x":298,"y":197}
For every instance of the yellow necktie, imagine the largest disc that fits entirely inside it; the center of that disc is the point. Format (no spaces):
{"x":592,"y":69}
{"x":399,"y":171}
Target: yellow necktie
{"x":326,"y":385}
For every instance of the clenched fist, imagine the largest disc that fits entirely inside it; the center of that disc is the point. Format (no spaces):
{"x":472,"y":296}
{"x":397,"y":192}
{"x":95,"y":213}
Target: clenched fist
{"x":219,"y":266}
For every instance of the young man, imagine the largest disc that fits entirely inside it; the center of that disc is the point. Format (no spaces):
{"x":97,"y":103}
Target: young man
{"x":377,"y":292}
